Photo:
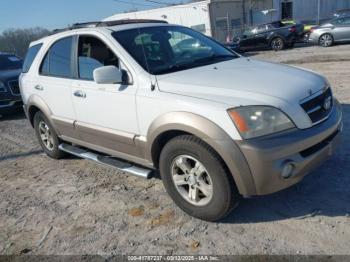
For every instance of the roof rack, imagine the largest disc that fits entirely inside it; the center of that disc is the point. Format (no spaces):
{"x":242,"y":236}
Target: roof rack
{"x":107,"y":24}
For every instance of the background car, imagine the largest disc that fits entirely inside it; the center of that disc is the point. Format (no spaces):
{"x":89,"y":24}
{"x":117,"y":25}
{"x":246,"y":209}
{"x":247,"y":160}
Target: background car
{"x":276,"y":36}
{"x":10,"y":96}
{"x":304,"y":36}
{"x":335,"y":31}
{"x":342,"y":13}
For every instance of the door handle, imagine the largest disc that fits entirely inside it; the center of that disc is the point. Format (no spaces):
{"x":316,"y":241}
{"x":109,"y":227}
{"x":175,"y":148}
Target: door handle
{"x":80,"y":94}
{"x":39,"y":88}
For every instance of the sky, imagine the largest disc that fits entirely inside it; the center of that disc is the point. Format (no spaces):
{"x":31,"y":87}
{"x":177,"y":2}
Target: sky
{"x":53,"y":14}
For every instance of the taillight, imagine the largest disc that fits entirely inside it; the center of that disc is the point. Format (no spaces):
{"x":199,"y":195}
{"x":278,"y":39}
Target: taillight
{"x":312,"y":30}
{"x":293,"y":29}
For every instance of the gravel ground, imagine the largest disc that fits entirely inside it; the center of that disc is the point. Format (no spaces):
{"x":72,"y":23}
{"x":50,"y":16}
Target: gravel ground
{"x":74,"y":206}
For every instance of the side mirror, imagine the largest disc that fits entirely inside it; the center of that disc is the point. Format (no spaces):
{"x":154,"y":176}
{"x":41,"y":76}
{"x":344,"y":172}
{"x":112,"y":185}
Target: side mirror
{"x":108,"y":75}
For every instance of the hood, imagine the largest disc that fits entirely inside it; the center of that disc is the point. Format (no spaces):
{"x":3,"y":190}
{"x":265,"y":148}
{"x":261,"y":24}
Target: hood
{"x":6,"y":75}
{"x":325,"y":25}
{"x":244,"y":81}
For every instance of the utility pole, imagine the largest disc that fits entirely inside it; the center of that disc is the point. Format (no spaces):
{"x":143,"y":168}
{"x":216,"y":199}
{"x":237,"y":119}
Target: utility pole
{"x":318,"y":11}
{"x":244,"y":16}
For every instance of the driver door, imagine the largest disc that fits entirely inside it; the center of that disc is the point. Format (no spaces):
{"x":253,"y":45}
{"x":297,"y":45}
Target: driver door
{"x":105,"y":113}
{"x":253,"y":38}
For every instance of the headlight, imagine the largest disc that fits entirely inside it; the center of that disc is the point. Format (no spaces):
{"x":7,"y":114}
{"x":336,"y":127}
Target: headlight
{"x":2,"y":87}
{"x":255,"y":121}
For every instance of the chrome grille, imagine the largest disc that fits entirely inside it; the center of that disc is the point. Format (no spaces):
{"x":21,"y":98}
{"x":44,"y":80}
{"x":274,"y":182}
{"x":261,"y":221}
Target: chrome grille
{"x":14,"y":87}
{"x":318,"y":108}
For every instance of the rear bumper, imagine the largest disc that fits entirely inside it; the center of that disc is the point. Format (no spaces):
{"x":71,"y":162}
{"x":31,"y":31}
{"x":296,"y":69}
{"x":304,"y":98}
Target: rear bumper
{"x":305,"y":150}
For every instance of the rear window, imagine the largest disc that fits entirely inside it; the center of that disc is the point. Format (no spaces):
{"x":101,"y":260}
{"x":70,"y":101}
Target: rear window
{"x":31,"y":54}
{"x":9,"y":62}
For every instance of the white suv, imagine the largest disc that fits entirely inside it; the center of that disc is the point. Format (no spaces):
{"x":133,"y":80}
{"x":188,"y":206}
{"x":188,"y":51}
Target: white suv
{"x":145,"y":95}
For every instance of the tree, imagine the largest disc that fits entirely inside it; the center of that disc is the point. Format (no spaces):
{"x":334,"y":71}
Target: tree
{"x":17,"y":40}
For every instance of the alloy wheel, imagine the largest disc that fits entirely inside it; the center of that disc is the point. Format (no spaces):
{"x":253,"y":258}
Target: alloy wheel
{"x":326,"y":40}
{"x":46,"y":136}
{"x":277,"y":44}
{"x":192,"y":180}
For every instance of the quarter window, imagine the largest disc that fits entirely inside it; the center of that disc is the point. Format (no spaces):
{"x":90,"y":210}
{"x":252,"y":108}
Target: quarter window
{"x":58,"y":60}
{"x":92,"y":54}
{"x":31,"y":54}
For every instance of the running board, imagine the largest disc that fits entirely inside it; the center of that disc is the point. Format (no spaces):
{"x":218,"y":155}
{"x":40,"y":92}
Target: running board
{"x":106,"y":161}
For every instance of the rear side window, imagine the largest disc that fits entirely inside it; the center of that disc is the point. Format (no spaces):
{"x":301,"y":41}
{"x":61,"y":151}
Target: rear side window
{"x":58,"y":60}
{"x":31,"y":54}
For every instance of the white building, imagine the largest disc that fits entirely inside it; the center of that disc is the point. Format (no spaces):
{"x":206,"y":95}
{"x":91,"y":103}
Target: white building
{"x":190,"y":15}
{"x":220,"y":19}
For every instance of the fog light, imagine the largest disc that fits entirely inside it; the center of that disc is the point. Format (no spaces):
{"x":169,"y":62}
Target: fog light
{"x":287,"y":170}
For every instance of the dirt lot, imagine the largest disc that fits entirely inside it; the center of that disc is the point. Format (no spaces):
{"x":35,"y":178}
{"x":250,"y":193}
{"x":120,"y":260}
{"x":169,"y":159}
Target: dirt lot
{"x":74,"y":206}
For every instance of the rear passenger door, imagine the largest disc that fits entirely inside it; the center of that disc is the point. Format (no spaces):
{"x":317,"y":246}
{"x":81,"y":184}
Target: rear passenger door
{"x":106,"y":113}
{"x":55,"y":80}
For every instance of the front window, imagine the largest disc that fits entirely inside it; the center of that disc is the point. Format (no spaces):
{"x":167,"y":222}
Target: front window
{"x":167,"y":49}
{"x":92,"y":54}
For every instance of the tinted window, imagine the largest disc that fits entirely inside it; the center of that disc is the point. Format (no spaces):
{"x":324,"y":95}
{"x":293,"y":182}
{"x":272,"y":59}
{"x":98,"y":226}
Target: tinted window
{"x":9,"y":62}
{"x":92,"y":54}
{"x":31,"y":54}
{"x":343,"y":21}
{"x":57,"y":61}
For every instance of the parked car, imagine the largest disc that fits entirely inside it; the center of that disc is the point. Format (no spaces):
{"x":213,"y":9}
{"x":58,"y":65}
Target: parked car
{"x":334,"y":31}
{"x":342,"y":13}
{"x":10,"y":69}
{"x":234,"y":46}
{"x":304,"y":36}
{"x":216,"y":124}
{"x":276,"y":36}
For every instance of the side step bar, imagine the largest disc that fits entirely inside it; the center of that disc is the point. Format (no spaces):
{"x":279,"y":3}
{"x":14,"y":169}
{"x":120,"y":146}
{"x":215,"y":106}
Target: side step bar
{"x":107,"y":161}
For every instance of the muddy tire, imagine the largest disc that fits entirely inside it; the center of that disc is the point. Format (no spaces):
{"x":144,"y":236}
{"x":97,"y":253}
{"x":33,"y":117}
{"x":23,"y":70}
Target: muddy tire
{"x":47,"y":136}
{"x":196,"y":179}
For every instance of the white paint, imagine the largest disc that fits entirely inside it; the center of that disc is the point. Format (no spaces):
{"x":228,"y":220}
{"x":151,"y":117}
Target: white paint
{"x":207,"y":91}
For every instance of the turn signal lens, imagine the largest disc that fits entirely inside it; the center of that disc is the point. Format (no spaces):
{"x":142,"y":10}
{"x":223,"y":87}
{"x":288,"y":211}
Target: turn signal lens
{"x":239,"y":121}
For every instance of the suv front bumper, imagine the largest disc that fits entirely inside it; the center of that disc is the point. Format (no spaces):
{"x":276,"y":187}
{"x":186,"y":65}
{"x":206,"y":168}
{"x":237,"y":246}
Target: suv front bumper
{"x":304,"y":149}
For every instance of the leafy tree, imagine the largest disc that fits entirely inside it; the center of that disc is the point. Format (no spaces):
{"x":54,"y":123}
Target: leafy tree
{"x":17,"y":40}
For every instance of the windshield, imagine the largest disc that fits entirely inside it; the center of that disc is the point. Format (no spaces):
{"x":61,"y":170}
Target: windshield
{"x":9,"y":62}
{"x":167,"y":49}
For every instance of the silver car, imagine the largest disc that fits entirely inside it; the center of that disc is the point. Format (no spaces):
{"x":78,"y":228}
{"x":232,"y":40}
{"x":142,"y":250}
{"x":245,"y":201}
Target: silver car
{"x":335,"y":31}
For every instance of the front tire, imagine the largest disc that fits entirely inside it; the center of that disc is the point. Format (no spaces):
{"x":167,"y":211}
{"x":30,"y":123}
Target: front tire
{"x":47,"y":136}
{"x":277,"y":44}
{"x":326,"y":40}
{"x":196,"y":179}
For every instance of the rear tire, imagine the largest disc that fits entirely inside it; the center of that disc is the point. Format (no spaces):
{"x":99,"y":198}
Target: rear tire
{"x":326,"y":40}
{"x":277,"y":44}
{"x":196,"y":179}
{"x":47,"y":136}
